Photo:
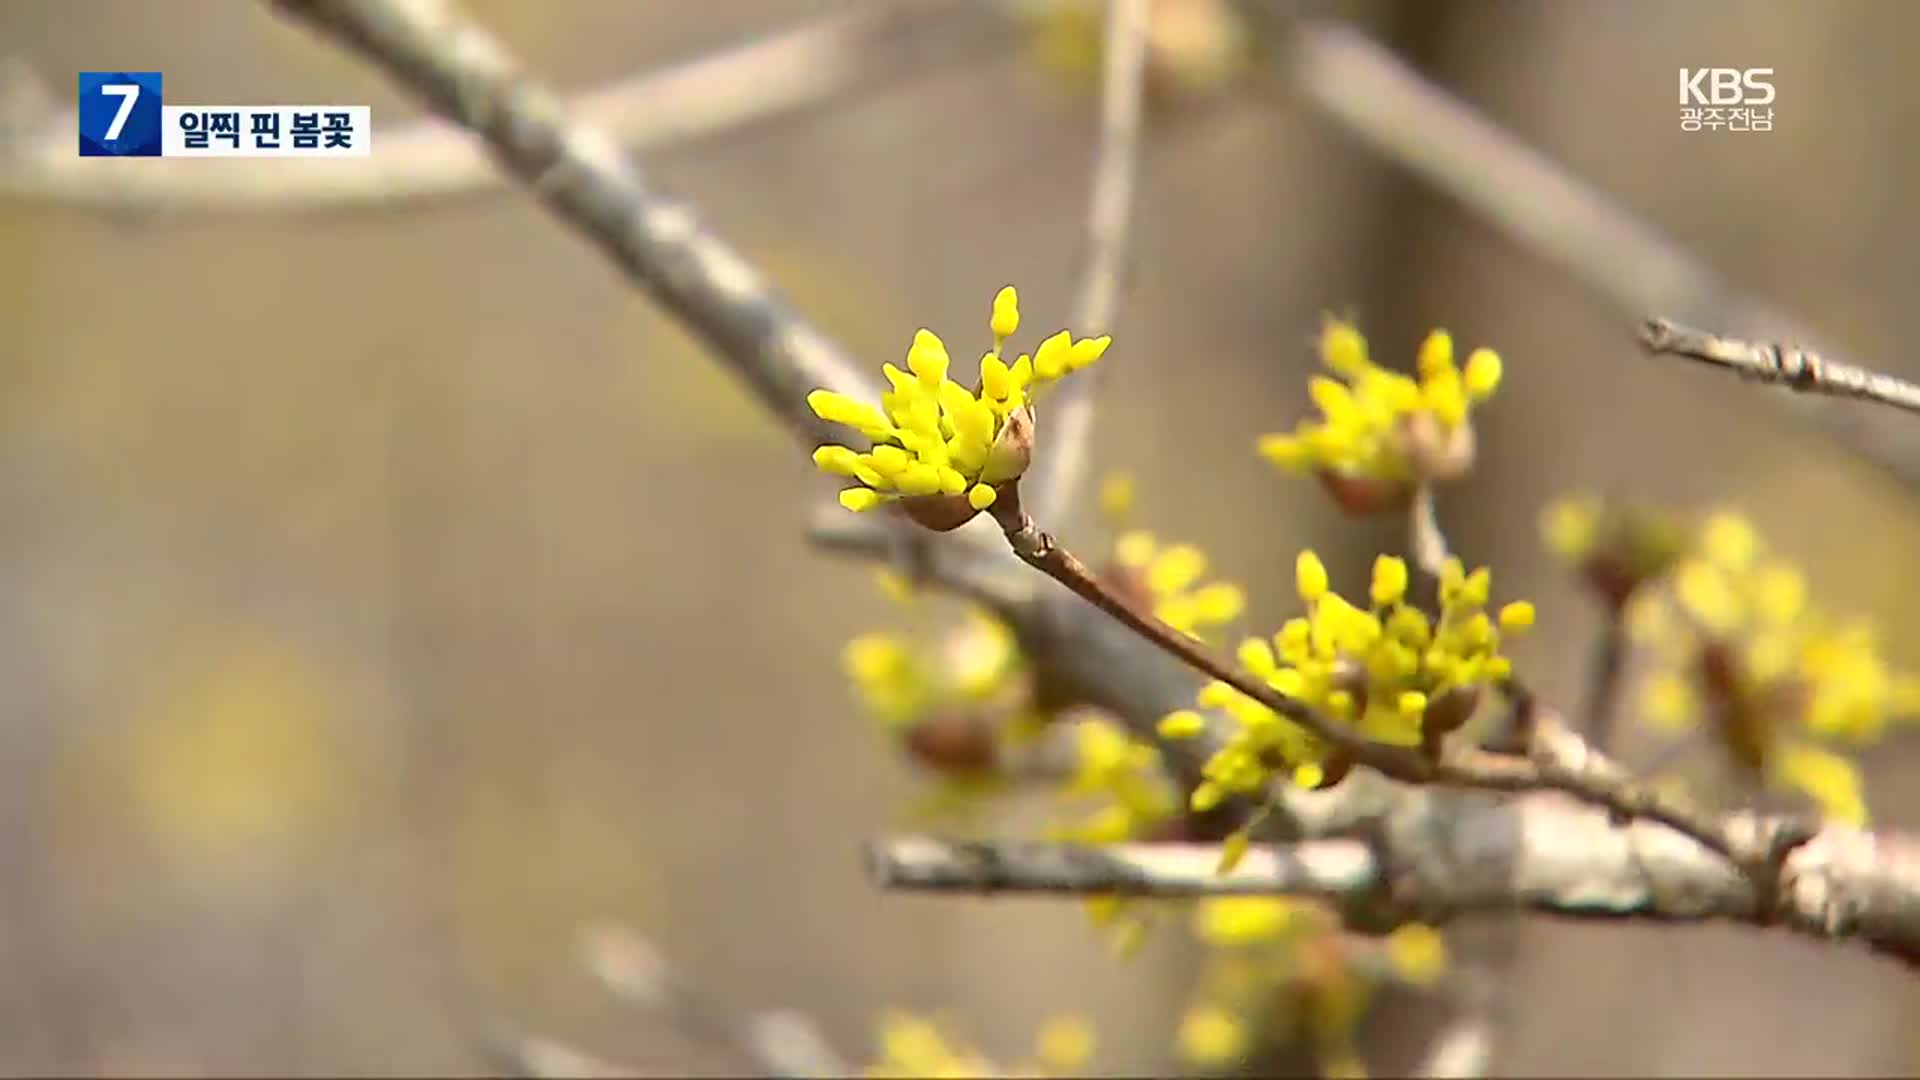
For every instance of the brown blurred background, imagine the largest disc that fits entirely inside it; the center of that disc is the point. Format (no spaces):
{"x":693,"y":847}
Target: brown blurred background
{"x":388,"y":594}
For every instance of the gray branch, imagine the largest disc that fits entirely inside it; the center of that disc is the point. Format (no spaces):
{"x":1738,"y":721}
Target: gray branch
{"x":1059,"y":475}
{"x":1539,"y":853}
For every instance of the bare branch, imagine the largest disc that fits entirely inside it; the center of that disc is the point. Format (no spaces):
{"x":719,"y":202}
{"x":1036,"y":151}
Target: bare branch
{"x":780,"y":74}
{"x":1537,"y":853}
{"x":783,"y":1042}
{"x":1430,"y":551}
{"x":1520,"y":191}
{"x":1462,"y":1050}
{"x":1604,"y":671}
{"x":1784,"y":365}
{"x":1059,"y":474}
{"x":536,"y":1058}
{"x":583,"y":177}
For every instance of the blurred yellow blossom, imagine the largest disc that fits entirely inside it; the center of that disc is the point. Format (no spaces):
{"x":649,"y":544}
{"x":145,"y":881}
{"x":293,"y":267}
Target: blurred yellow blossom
{"x":1418,"y":953}
{"x":1742,"y":650}
{"x":1615,"y":549}
{"x":1381,"y":432}
{"x":1165,"y":578}
{"x":1211,"y":1036}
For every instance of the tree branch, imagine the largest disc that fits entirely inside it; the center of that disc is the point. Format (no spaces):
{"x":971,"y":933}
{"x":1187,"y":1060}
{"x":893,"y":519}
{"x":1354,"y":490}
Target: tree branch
{"x":1520,"y":191}
{"x":1783,"y":365}
{"x":1561,"y":762}
{"x":462,"y":72}
{"x":1536,"y":853}
{"x":1059,"y":474}
{"x":783,"y":73}
{"x":784,"y":1043}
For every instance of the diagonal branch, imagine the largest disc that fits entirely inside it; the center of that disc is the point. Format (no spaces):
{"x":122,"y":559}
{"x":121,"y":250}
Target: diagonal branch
{"x":1059,"y":474}
{"x":780,"y":74}
{"x":1520,"y":191}
{"x":460,"y":70}
{"x":1784,"y":365}
{"x":1561,"y":762}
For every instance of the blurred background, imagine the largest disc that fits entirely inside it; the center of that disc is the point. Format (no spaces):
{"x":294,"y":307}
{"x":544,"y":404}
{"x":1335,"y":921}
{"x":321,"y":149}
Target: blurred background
{"x":390,"y":593}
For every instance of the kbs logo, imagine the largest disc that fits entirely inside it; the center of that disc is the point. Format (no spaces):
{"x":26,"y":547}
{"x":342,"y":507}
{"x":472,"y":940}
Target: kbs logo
{"x":1726,"y":99}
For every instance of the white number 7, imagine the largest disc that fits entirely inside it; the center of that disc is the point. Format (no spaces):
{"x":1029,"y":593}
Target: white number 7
{"x":128,"y":93}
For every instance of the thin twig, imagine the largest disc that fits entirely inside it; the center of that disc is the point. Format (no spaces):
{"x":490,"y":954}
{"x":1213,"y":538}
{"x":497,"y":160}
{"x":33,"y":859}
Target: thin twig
{"x":1059,"y":475}
{"x":1420,"y":126}
{"x":462,"y":71}
{"x":1566,"y":765}
{"x":784,"y":1043}
{"x":785,"y":72}
{"x":1604,"y":669}
{"x":1430,"y":551}
{"x":1784,"y":365}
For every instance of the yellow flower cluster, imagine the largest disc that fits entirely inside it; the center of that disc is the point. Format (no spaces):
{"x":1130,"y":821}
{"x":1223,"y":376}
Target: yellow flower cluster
{"x":900,"y":679}
{"x":932,"y":436}
{"x":1388,"y":670}
{"x":1614,"y":549}
{"x":1166,"y":578}
{"x":1381,"y":425}
{"x":1292,"y":955}
{"x":913,"y":1048}
{"x":1743,"y":651}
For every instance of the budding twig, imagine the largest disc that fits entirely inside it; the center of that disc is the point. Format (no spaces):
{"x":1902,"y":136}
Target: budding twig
{"x":784,"y":1043}
{"x":1565,"y":765}
{"x":1786,"y":365}
{"x":1059,"y":474}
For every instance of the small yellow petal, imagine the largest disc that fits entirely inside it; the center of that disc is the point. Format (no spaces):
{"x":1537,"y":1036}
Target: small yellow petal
{"x":860,"y":499}
{"x":1342,"y":348}
{"x":1232,"y":850}
{"x":1086,"y":351}
{"x":1483,"y":374}
{"x":981,"y":496}
{"x":1006,"y":313}
{"x":1516,"y":616}
{"x":1050,"y":359}
{"x":1436,"y":354}
{"x":838,"y":460}
{"x":1184,"y":724}
{"x":1389,"y":580}
{"x":1310,"y":576}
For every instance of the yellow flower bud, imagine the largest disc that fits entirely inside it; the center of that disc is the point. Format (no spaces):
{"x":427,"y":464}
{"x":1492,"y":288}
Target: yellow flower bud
{"x":1342,"y":348}
{"x":1483,"y":374}
{"x":1310,"y":576}
{"x":1516,"y":616}
{"x":981,"y":497}
{"x":1184,"y":724}
{"x":1389,"y":580}
{"x":859,"y":499}
{"x":1006,"y":313}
